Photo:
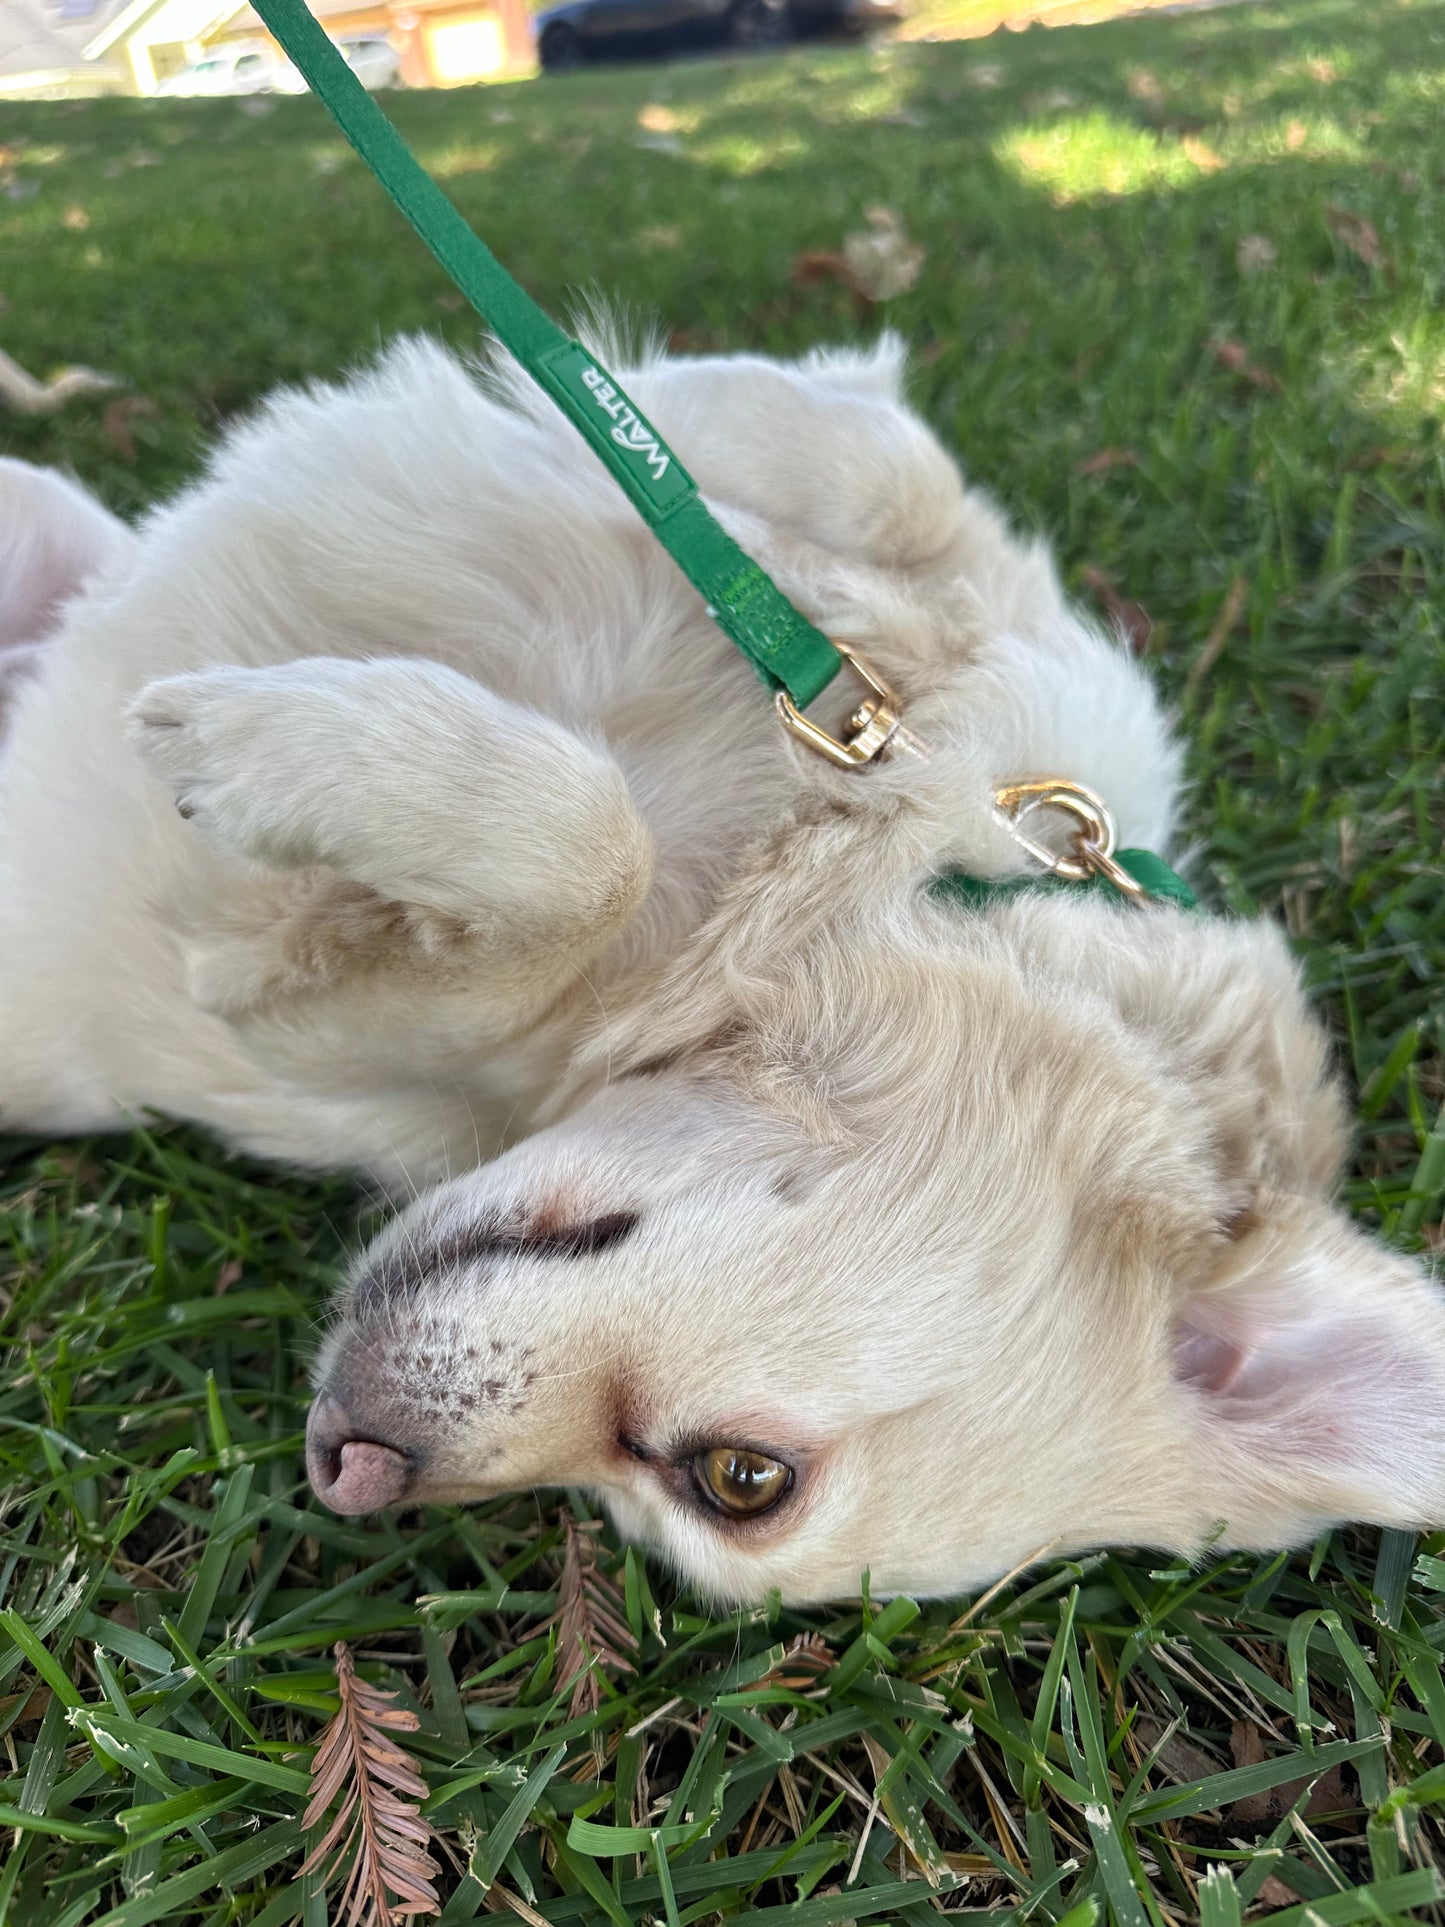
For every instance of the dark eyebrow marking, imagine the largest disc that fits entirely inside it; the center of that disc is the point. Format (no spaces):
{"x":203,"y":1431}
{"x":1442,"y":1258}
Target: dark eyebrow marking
{"x":404,"y":1271}
{"x":572,"y":1241}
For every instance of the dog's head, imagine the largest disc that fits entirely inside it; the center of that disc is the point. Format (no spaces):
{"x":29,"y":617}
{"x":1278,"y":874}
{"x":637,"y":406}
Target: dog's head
{"x":940,"y":1243}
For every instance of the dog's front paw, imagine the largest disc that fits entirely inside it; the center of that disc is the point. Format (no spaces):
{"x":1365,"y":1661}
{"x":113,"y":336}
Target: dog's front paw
{"x":225,"y":744}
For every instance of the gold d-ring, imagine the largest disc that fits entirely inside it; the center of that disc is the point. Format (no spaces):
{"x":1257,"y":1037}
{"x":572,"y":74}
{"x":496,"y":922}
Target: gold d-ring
{"x":872,"y":723}
{"x":1093,"y":842}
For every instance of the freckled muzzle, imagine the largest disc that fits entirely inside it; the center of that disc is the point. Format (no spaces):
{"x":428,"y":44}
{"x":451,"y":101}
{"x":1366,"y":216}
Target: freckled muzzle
{"x":351,"y":1474}
{"x":412,"y":1406}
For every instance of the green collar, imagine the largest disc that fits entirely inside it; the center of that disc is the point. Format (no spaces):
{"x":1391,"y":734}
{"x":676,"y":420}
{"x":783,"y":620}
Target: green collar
{"x":1153,"y":875}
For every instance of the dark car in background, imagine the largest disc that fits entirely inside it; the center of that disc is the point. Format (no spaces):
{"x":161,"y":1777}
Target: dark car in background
{"x":577,"y":31}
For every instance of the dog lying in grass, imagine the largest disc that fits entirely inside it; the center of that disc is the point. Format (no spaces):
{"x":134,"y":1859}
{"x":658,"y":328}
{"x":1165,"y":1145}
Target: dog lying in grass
{"x":389,"y":800}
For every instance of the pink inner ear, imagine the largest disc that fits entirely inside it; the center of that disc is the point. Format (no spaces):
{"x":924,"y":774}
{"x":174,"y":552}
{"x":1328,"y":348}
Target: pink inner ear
{"x":1245,"y":1352}
{"x":52,"y":537}
{"x":1313,"y":1365}
{"x":1206,"y":1359}
{"x":35,"y":578}
{"x":1335,"y":1390}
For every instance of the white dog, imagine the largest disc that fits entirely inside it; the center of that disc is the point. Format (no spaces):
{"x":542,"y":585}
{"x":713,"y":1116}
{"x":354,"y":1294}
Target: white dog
{"x":390,"y":799}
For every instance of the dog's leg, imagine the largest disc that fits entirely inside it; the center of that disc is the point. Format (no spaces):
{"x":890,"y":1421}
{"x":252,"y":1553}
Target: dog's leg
{"x":426,"y":866}
{"x":428,"y":824}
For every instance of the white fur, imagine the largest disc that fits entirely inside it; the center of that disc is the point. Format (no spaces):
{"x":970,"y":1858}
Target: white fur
{"x":1006,"y":1230}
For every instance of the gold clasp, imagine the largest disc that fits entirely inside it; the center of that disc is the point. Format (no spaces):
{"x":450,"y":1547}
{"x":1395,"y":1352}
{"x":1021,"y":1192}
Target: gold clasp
{"x":872,"y":723}
{"x":1094,"y":839}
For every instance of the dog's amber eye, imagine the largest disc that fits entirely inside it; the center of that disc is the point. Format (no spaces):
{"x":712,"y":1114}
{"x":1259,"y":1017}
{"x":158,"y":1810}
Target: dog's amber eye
{"x":741,"y":1482}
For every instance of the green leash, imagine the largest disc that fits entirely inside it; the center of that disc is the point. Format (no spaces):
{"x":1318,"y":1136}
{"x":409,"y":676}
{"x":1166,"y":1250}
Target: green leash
{"x":782,"y":645}
{"x":796,"y":660}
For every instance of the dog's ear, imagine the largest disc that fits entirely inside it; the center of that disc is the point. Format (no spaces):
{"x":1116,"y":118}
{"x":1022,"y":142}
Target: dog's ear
{"x":53,"y":538}
{"x":1315,"y":1360}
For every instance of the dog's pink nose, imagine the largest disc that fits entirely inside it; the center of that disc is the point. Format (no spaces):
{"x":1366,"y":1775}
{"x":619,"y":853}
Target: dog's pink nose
{"x":350,"y":1474}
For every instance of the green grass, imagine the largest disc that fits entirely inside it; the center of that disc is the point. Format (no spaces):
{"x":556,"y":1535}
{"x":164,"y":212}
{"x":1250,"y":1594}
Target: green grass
{"x":169,"y":1592}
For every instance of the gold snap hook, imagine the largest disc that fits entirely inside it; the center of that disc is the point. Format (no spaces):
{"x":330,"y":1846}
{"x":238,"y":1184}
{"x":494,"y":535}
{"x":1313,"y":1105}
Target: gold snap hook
{"x":872,"y":724}
{"x":1093,"y":840}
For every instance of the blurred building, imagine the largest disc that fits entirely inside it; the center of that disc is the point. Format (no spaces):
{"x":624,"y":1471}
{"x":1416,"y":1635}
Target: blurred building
{"x":43,"y":49}
{"x":442,"y":43}
{"x":60,"y":47}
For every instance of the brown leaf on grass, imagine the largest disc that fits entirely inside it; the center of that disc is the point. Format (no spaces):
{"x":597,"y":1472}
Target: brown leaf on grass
{"x":823,"y":264}
{"x":1130,"y":617}
{"x":33,"y":1701}
{"x":1260,"y":1812}
{"x":1178,"y":1758}
{"x":657,"y":119}
{"x":1106,"y":460}
{"x":1274,"y":1893}
{"x":1234,"y":356}
{"x":1322,"y":70}
{"x":874,"y":264}
{"x":1331,"y":1795}
{"x":1357,"y":234}
{"x":808,"y":1656}
{"x":1246,"y":1743}
{"x":591,"y":1622}
{"x":378,"y":1827}
{"x":115,"y":423}
{"x":1202,"y":154}
{"x":816,"y":265}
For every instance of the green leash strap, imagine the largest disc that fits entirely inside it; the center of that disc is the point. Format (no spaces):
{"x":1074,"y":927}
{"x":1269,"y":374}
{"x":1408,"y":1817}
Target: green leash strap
{"x":782,"y":645}
{"x":1150,"y":872}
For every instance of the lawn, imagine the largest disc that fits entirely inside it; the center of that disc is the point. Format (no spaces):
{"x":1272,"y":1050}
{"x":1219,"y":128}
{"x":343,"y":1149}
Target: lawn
{"x":1182,"y":306}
